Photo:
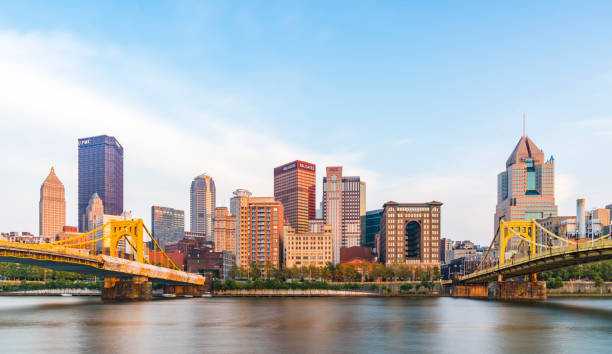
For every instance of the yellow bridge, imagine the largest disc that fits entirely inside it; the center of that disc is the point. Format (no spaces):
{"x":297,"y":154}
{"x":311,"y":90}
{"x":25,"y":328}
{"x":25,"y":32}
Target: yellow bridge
{"x":523,"y":249}
{"x":114,"y":251}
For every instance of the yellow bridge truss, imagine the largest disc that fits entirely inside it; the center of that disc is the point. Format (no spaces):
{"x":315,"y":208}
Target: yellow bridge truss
{"x":115,"y":238}
{"x":524,"y":240}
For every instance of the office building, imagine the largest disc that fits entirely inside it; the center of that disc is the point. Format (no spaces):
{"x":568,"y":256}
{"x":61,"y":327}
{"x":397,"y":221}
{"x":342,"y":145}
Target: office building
{"x":410,"y":233}
{"x":167,"y":225}
{"x":95,"y":209}
{"x":309,"y":248}
{"x":52,"y":206}
{"x":342,"y":209}
{"x":316,"y":226}
{"x":295,"y":188}
{"x":446,"y":250}
{"x":372,"y":227}
{"x":202,"y":198}
{"x":362,"y":214}
{"x":100,"y":171}
{"x":225,"y":230}
{"x":525,"y":190}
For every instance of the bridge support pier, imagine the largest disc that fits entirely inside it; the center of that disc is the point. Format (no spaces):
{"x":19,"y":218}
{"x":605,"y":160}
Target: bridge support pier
{"x":184,"y":290}
{"x":503,"y":290}
{"x":138,"y":288}
{"x":518,"y":290}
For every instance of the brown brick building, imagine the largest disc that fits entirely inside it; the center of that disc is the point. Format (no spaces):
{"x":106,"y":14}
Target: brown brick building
{"x":410,"y":233}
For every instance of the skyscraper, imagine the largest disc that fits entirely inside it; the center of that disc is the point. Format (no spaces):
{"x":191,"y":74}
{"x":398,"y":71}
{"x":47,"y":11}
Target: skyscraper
{"x":342,"y":208}
{"x":203,"y":205}
{"x":167,"y":225}
{"x":525,"y":190}
{"x":372,"y":227}
{"x":94,"y":210}
{"x":100,"y":171}
{"x":52,"y":206}
{"x":295,"y":188}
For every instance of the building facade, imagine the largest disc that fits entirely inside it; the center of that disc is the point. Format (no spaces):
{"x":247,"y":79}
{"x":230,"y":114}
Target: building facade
{"x":265,"y":231}
{"x":167,"y":225}
{"x":239,"y":207}
{"x":446,"y":250}
{"x":295,"y":188}
{"x":372,"y":227}
{"x":100,"y":171}
{"x":410,"y":233}
{"x":525,"y":190}
{"x":342,"y":208}
{"x":103,"y":246}
{"x":225,"y":230}
{"x":95,"y":209}
{"x":309,"y":248}
{"x":202,"y":198}
{"x":52,"y":206}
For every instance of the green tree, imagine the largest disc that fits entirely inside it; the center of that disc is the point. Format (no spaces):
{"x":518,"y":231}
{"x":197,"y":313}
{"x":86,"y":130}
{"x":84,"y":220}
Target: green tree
{"x":234,"y":272}
{"x":254,"y":271}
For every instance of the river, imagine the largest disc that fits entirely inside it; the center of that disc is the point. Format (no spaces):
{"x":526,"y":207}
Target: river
{"x":304,"y":325}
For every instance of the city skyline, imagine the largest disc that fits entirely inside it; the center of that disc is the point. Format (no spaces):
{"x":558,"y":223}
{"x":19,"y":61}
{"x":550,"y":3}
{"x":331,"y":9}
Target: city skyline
{"x":437,"y":92}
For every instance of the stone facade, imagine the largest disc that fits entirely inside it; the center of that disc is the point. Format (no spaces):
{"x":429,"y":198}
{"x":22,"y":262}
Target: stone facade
{"x":410,"y":233}
{"x":304,"y":249}
{"x":52,"y":206}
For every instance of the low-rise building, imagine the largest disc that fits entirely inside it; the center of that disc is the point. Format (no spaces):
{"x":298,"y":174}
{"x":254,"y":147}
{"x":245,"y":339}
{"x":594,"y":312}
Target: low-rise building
{"x":348,"y":254}
{"x":312,"y":248}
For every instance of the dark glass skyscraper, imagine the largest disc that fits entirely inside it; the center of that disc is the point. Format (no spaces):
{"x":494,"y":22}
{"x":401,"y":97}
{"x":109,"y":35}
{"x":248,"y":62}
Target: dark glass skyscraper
{"x":100,"y":171}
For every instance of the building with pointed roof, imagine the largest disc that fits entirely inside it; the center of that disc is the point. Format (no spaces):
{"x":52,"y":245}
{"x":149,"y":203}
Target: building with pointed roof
{"x":525,"y":190}
{"x":52,"y":205}
{"x":95,"y":209}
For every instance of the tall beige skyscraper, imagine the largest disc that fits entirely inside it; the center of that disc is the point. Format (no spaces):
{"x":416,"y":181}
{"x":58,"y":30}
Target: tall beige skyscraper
{"x":203,"y":205}
{"x":239,"y":207}
{"x":342,"y":208}
{"x":52,"y":206}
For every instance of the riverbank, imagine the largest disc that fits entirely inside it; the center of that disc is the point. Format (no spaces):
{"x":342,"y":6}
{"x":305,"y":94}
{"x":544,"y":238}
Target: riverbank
{"x":53,"y":292}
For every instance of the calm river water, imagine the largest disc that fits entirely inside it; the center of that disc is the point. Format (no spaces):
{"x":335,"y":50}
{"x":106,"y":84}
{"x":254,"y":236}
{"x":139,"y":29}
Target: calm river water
{"x":304,"y":325}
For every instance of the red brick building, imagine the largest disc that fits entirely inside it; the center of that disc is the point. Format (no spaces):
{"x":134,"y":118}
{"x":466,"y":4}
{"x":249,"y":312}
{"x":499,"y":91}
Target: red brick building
{"x":295,"y":188}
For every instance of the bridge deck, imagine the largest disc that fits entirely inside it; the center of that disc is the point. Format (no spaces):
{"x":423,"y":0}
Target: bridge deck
{"x":553,"y":259}
{"x":79,"y":261}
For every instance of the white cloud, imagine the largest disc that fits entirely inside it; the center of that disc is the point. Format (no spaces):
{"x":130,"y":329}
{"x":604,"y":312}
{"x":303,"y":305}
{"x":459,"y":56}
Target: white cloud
{"x":54,"y":89}
{"x":45,"y":100}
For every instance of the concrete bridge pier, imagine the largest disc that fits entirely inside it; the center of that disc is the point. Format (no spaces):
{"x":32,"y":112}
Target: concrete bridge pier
{"x":138,"y":288}
{"x":503,"y":290}
{"x":184,"y":290}
{"x":517,"y":290}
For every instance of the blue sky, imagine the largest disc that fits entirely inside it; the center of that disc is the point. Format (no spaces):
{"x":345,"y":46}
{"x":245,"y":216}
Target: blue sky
{"x":424,"y":101}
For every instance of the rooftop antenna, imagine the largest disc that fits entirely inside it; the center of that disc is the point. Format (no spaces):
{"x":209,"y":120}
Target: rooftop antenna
{"x":524,"y":133}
